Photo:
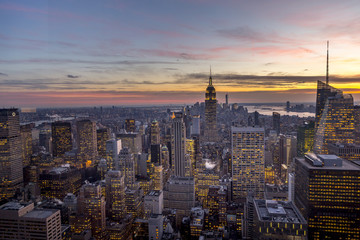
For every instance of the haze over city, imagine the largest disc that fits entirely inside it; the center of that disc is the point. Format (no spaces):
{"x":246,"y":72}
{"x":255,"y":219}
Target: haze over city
{"x":86,"y":53}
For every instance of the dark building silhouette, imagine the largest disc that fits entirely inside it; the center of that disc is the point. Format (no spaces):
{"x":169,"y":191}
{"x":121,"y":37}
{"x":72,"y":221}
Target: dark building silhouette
{"x":276,"y":122}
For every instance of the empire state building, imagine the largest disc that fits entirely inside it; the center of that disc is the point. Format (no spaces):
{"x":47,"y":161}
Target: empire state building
{"x":210,"y":132}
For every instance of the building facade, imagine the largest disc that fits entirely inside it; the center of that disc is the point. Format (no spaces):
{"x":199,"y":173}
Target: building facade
{"x":11,"y":162}
{"x":210,"y":130}
{"x":327,"y":194}
{"x":248,"y":163}
{"x":61,"y":138}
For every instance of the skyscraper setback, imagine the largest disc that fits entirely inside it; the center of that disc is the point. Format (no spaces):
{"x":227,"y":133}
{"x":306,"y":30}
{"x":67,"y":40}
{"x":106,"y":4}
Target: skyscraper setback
{"x":11,"y":163}
{"x":336,"y":122}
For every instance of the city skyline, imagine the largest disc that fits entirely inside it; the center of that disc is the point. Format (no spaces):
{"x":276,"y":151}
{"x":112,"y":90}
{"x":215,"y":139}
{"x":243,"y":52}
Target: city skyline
{"x":70,"y":53}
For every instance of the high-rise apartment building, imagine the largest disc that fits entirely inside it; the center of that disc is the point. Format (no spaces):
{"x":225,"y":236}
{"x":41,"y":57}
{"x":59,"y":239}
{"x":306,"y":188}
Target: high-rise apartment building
{"x":210,"y":131}
{"x":248,"y":163}
{"x":87,"y":142}
{"x":336,"y":122}
{"x":327,"y":194}
{"x":178,"y":145}
{"x":115,"y":195}
{"x":61,"y":138}
{"x":11,"y":162}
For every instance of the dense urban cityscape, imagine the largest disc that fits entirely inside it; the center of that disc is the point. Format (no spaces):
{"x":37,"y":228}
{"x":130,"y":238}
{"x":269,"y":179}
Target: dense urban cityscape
{"x":205,"y":171}
{"x":179,"y":120}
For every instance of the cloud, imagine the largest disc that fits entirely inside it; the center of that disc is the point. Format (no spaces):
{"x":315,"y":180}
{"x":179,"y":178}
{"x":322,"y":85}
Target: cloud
{"x":247,"y":34}
{"x":3,"y":74}
{"x":53,"y":84}
{"x":72,"y":76}
{"x":81,"y":61}
{"x":271,"y":80}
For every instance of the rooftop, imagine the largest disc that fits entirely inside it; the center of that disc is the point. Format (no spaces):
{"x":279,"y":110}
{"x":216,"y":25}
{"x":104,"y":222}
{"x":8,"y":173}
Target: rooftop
{"x":327,"y":162}
{"x":247,"y":129}
{"x":40,"y":214}
{"x":13,"y":206}
{"x":154,"y":193}
{"x":278,"y":211}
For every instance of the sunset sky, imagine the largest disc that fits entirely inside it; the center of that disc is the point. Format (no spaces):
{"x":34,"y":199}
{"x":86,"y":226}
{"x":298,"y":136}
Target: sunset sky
{"x":91,"y":52}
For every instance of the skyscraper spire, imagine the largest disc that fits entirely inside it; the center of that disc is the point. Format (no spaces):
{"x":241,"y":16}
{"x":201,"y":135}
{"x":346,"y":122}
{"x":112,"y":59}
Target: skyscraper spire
{"x":210,"y":78}
{"x":327,"y":64}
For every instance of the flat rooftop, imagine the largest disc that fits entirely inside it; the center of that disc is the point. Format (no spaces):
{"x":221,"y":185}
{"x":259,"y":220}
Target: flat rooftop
{"x":154,"y":193}
{"x":13,"y":206}
{"x":40,"y":214}
{"x":278,"y":211}
{"x":247,"y":129}
{"x":345,"y":166}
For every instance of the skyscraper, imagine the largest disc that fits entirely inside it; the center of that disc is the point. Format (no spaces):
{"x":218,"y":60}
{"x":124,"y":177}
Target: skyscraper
{"x":26,"y":141}
{"x":115,"y":195}
{"x":327,"y":194}
{"x":195,"y":125}
{"x":178,"y":145}
{"x":336,"y":123}
{"x":210,"y":131}
{"x":127,"y":164}
{"x":87,"y":141}
{"x":276,"y":122}
{"x":155,"y":133}
{"x":113,"y":148}
{"x":130,"y":125}
{"x":91,"y":204}
{"x":305,"y":138}
{"x":248,"y":163}
{"x":61,"y":138}
{"x":11,"y":163}
{"x":155,"y":143}
{"x":102,"y":136}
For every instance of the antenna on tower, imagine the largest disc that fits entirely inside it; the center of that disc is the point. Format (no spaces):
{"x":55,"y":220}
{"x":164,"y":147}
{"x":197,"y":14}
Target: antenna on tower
{"x":327,"y":64}
{"x":210,"y":78}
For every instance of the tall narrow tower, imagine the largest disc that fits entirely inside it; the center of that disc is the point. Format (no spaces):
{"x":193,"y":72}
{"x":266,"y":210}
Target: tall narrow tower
{"x":178,"y":145}
{"x":210,"y":132}
{"x":11,"y":164}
